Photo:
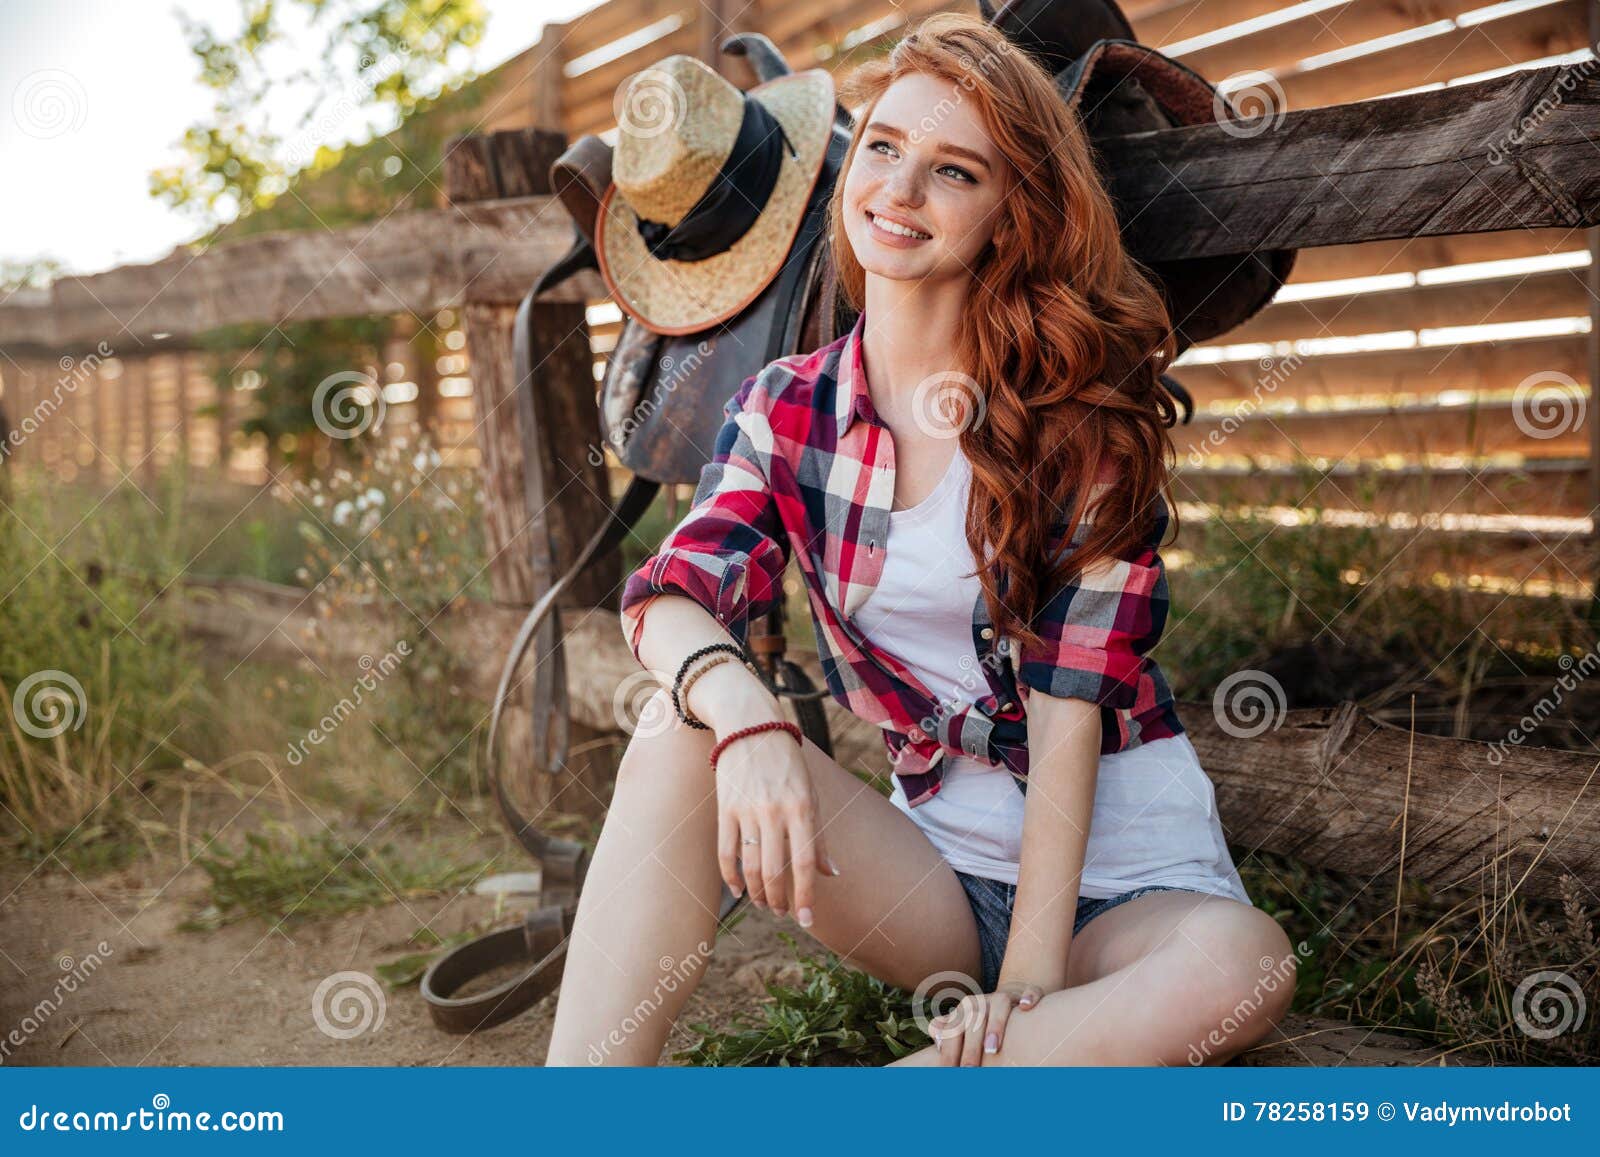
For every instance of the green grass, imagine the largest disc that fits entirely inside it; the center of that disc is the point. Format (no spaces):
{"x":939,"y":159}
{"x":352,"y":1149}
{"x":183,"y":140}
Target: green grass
{"x":836,"y":1016}
{"x":284,"y":875}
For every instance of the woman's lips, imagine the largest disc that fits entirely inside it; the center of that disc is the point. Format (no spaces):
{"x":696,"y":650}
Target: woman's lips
{"x":887,"y":237}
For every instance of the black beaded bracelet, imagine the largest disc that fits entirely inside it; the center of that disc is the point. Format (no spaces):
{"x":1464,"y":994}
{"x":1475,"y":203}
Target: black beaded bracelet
{"x":683,"y":668}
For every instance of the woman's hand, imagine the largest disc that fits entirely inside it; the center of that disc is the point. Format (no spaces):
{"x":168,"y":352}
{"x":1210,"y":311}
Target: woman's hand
{"x":764,"y":794}
{"x":978,"y":1022}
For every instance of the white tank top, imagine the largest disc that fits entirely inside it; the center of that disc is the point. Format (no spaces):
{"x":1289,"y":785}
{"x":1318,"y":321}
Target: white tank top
{"x":1155,"y":818}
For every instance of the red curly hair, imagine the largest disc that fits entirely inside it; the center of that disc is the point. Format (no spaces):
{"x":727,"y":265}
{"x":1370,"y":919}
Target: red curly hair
{"x":1064,"y":333}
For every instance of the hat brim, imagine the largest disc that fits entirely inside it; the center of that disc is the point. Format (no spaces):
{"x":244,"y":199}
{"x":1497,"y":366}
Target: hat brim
{"x":681,"y":297}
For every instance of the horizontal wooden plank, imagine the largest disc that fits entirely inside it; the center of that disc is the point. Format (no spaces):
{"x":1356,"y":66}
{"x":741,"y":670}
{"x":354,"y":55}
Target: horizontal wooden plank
{"x":604,"y":83}
{"x":1284,"y":45}
{"x":1558,"y":488}
{"x":609,"y":22}
{"x":1422,"y":372}
{"x":1357,"y":434}
{"x":1528,"y":297}
{"x":1159,"y":22}
{"x":413,"y":262}
{"x":1411,"y":254}
{"x":1533,"y":35}
{"x":1418,"y":165}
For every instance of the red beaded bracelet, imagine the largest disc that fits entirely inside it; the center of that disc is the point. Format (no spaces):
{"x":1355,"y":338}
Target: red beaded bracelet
{"x":769,"y":725}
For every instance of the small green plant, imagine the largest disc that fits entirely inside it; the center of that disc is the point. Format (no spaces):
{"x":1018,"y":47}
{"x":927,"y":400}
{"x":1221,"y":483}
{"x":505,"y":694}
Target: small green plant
{"x":283,"y":875}
{"x":837,"y":1016}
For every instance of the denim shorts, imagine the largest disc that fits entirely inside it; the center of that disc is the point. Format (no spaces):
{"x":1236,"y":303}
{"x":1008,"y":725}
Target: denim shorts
{"x":991,"y":902}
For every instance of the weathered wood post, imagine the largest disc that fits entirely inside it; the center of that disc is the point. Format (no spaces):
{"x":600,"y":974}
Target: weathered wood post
{"x":544,"y":492}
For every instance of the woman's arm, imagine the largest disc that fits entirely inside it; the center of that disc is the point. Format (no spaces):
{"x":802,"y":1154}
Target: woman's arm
{"x":1063,"y":765}
{"x":726,"y":697}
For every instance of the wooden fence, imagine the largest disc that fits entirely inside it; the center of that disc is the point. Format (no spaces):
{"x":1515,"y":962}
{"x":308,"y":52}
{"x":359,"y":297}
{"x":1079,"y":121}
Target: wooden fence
{"x":1444,"y":376}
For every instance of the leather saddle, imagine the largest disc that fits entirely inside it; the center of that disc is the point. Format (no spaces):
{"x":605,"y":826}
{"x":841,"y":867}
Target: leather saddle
{"x":661,"y":408}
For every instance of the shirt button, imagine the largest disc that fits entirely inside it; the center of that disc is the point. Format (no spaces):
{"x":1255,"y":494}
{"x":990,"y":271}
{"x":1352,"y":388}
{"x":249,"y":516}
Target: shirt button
{"x":987,"y":632}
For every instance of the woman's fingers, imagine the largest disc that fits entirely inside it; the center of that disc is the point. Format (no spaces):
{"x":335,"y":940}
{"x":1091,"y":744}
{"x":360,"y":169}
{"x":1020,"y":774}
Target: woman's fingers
{"x":750,"y":859}
{"x":975,"y":1026}
{"x":803,"y":861}
{"x":728,"y":850}
{"x":995,"y":1035}
{"x":773,"y":847}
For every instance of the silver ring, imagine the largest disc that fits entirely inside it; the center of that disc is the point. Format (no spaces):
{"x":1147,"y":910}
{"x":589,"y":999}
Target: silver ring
{"x":748,"y":840}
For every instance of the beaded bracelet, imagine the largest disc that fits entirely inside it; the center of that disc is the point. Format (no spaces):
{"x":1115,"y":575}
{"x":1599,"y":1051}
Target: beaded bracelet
{"x":690,"y":679}
{"x":677,"y":694}
{"x":769,"y":725}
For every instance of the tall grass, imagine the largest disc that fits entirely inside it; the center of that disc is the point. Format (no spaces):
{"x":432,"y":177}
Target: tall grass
{"x":95,"y":675}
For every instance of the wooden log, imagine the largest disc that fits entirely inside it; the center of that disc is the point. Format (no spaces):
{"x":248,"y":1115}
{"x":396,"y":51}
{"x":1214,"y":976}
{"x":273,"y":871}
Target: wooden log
{"x":1412,"y":166}
{"x":1328,"y":785}
{"x":1332,"y":786}
{"x":415,"y":262}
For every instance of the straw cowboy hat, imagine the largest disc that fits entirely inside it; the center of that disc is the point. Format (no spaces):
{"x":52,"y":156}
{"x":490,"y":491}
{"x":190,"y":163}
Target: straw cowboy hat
{"x":708,"y":188}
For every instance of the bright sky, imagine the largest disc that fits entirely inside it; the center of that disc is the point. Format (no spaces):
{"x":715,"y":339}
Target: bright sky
{"x":99,"y":92}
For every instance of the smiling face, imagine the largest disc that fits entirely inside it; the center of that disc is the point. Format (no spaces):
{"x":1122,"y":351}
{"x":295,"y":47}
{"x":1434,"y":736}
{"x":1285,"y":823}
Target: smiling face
{"x":925,"y":163}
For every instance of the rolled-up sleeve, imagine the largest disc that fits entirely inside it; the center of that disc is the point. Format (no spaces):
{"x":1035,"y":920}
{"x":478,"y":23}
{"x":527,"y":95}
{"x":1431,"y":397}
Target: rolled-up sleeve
{"x":728,"y":553}
{"x":1096,"y":630}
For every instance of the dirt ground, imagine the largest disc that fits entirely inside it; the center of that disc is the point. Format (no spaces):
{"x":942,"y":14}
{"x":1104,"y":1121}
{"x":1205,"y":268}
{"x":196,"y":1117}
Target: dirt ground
{"x":243,"y":994}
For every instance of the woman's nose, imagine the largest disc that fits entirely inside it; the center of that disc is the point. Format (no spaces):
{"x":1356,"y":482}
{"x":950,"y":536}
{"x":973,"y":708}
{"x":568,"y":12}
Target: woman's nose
{"x":904,"y":186}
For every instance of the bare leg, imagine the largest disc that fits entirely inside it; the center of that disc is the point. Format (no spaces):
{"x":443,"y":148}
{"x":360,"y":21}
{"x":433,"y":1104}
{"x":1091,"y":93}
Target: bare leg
{"x":647,"y":915}
{"x":1167,"y":978}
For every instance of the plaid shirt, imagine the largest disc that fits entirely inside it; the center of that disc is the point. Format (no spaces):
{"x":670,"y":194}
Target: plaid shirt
{"x":803,"y":467}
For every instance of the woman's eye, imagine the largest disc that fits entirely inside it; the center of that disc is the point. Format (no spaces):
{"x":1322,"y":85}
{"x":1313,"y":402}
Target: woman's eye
{"x":960,"y":172}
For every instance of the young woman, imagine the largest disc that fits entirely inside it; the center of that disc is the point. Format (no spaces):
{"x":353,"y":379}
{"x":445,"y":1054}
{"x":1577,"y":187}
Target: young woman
{"x":1052,"y":845}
